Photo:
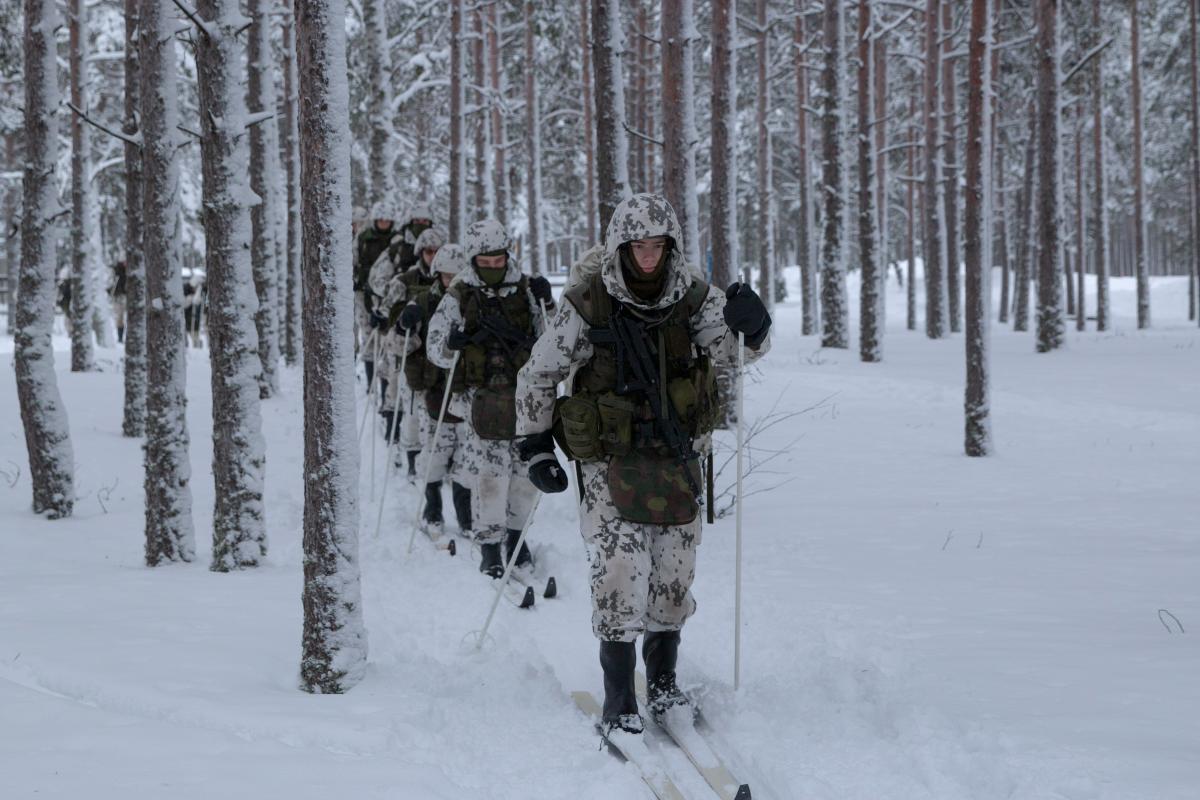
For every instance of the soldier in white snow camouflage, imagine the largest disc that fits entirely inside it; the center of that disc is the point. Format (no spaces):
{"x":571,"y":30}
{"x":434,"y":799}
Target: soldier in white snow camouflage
{"x":490,"y":316}
{"x":637,"y":450}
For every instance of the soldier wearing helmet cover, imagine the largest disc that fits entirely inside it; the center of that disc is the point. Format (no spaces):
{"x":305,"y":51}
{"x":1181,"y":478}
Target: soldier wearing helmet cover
{"x":490,"y":316}
{"x":372,"y":240}
{"x":633,"y":446}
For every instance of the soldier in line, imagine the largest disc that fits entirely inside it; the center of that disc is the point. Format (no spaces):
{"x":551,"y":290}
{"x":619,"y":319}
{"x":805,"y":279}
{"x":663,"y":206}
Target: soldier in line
{"x":371,"y":242}
{"x":117,"y":294}
{"x":490,"y":316}
{"x":403,"y":249}
{"x":447,"y":453}
{"x":642,"y":337}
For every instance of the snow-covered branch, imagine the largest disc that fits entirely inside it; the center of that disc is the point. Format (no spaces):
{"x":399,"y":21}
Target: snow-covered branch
{"x":135,"y":140}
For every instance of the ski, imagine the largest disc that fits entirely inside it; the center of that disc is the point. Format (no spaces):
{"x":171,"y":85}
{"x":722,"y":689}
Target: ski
{"x":520,"y":589}
{"x":527,"y":576}
{"x":630,"y":748}
{"x":682,"y":725}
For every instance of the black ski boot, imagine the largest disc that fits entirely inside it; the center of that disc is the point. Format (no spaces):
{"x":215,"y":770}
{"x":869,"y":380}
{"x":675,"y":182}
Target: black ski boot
{"x":370,"y":365}
{"x":491,"y":564}
{"x":388,"y":425}
{"x":660,"y":651}
{"x":431,"y":518}
{"x":412,"y":464}
{"x":523,"y":558}
{"x":618,"y":660}
{"x":462,"y":507}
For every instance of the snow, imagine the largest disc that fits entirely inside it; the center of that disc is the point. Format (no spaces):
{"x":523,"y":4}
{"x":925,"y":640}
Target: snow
{"x":917,"y":624}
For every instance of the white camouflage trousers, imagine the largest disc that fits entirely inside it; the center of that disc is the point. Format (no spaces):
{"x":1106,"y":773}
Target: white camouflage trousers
{"x":641,"y":575}
{"x":501,"y":494}
{"x":447,"y":456}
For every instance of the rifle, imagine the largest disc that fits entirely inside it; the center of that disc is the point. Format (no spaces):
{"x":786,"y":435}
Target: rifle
{"x":638,"y":371}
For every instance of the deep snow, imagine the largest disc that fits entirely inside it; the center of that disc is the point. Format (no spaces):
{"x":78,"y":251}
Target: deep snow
{"x":916,"y":624}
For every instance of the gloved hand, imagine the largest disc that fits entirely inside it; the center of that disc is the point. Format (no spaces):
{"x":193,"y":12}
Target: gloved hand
{"x":411,"y":317}
{"x":745,"y":313}
{"x":539,"y":286}
{"x":545,"y":473}
{"x":457,"y":340}
{"x":378,"y":320}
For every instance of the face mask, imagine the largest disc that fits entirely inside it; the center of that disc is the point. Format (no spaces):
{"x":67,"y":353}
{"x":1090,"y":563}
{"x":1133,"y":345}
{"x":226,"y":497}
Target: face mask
{"x":491,"y":276}
{"x":417,"y":230}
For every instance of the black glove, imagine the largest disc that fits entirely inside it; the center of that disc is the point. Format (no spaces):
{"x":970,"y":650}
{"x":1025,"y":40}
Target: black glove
{"x":745,"y":313}
{"x":378,"y":320}
{"x":457,"y":340}
{"x":411,"y":317}
{"x":540,"y":287}
{"x":545,"y":473}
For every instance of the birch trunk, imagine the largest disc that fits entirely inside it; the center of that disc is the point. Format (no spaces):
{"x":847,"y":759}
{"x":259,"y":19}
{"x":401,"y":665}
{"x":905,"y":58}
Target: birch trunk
{"x":870,"y":345}
{"x":612,"y":146}
{"x":1050,"y":325}
{"x":834,"y":301}
{"x":291,"y":166}
{"x":976,"y":404}
{"x":724,"y":154}
{"x":82,"y":354}
{"x":808,"y":281}
{"x":1139,"y":182}
{"x":169,"y":534}
{"x":679,"y":127}
{"x":533,"y":138}
{"x":260,"y":96}
{"x":47,"y":432}
{"x":239,"y":531}
{"x":931,"y":237}
{"x":335,"y":642}
{"x":134,"y":420}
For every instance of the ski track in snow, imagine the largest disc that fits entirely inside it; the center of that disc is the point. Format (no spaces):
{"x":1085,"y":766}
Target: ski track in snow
{"x":916,"y":624}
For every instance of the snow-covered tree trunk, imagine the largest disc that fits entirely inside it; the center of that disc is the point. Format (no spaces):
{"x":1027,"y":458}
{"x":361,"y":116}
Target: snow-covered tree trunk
{"x":1002,"y":223}
{"x":82,"y":355}
{"x":1025,"y":250}
{"x":723,"y":195}
{"x":1141,"y":267}
{"x":1194,"y":76}
{"x":291,"y":168}
{"x":458,"y":153}
{"x":260,"y":98}
{"x":679,"y":122}
{"x":169,"y":533}
{"x":588,"y":101}
{"x":1080,"y":227}
{"x":949,"y":159}
{"x":1051,"y":329}
{"x":808,"y":281}
{"x":976,"y":404}
{"x":870,"y":345}
{"x":483,"y":182}
{"x":239,"y":456}
{"x":379,"y":101}
{"x":533,"y":141}
{"x":495,"y":76}
{"x":612,"y":147}
{"x":335,"y":642}
{"x":12,"y":243}
{"x":880,"y":127}
{"x":834,"y":300}
{"x":931,"y":236}
{"x":134,"y":420}
{"x":910,"y":291}
{"x":47,"y":432}
{"x":762,"y":215}
{"x":642,"y":68}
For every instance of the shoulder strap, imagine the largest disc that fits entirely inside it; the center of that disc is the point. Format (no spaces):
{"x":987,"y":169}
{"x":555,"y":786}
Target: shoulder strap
{"x":694,"y":299}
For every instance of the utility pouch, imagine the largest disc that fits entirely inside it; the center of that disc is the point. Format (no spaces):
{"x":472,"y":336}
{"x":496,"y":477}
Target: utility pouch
{"x":577,"y":427}
{"x":474,"y":364}
{"x":616,"y":424}
{"x":419,"y":372}
{"x":653,"y":490}
{"x":433,"y":404}
{"x":685,"y":401}
{"x":494,"y":412}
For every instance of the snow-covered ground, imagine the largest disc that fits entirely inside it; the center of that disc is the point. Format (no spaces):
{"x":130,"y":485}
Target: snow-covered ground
{"x":916,"y":624}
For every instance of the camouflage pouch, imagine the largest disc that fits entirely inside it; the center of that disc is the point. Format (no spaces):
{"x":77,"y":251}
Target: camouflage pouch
{"x":577,"y":427}
{"x":433,"y":404}
{"x":616,"y":424}
{"x":685,"y":401}
{"x":494,"y":412}
{"x":419,"y":372}
{"x":474,"y":364}
{"x":653,"y":490}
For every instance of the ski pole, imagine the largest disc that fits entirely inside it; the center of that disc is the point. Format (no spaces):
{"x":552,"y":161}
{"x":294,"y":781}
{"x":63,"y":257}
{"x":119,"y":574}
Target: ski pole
{"x":392,"y":440}
{"x":362,"y":425}
{"x":508,"y":568}
{"x":432,"y":445}
{"x":737,"y":592}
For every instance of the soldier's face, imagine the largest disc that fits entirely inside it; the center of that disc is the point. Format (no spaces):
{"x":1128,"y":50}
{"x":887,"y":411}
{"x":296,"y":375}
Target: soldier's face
{"x":648,"y":252}
{"x":383,"y":224}
{"x":446,"y":278}
{"x":423,"y":222}
{"x":491,"y":262}
{"x":428,"y":253}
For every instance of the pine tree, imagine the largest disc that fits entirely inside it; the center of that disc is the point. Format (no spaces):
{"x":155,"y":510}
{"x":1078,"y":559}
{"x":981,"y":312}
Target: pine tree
{"x":533,"y":139}
{"x":679,"y":129}
{"x":1141,"y":267}
{"x":47,"y":433}
{"x":931,"y":237}
{"x":82,"y":355}
{"x":834,"y":302}
{"x":612,"y":147}
{"x":949,"y":159}
{"x":978,"y":436}
{"x":808,"y":280}
{"x":260,"y":98}
{"x":291,"y":167}
{"x":134,"y":421}
{"x":458,"y":154}
{"x":723,"y":201}
{"x":870,"y":345}
{"x":1050,"y":325}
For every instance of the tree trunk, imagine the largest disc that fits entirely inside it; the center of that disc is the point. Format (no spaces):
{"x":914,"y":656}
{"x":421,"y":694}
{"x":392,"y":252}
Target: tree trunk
{"x":1025,"y":250}
{"x":978,"y":434}
{"x":880,"y":84}
{"x":291,"y":167}
{"x":763,"y":197}
{"x":612,"y":147}
{"x":47,"y":432}
{"x":1194,"y":75}
{"x":931,"y":237}
{"x":1051,"y":327}
{"x":239,"y":532}
{"x":1139,"y":180}
{"x":724,"y":153}
{"x":169,"y":535}
{"x":499,"y":178}
{"x":379,"y":101}
{"x":910,"y":291}
{"x":642,"y":103}
{"x":134,"y":419}
{"x":458,"y":155}
{"x":1002,"y":232}
{"x":82,"y":356}
{"x":1080,"y":227}
{"x":679,"y":128}
{"x":834,"y":302}
{"x":533,"y":138}
{"x":260,"y":96}
{"x":949,"y":157}
{"x":587,"y":100}
{"x":483,"y":192}
{"x":870,"y":344}
{"x":12,"y":243}
{"x":808,"y":282}
{"x":335,"y":642}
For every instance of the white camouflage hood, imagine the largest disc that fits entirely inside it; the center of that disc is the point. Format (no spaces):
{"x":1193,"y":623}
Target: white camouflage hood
{"x":644,"y":216}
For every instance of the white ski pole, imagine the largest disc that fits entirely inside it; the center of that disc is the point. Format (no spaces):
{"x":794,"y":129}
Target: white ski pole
{"x":393,"y":439}
{"x":432,"y":445}
{"x":362,"y":425}
{"x":737,"y":591}
{"x":378,"y":402}
{"x":508,"y":568}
